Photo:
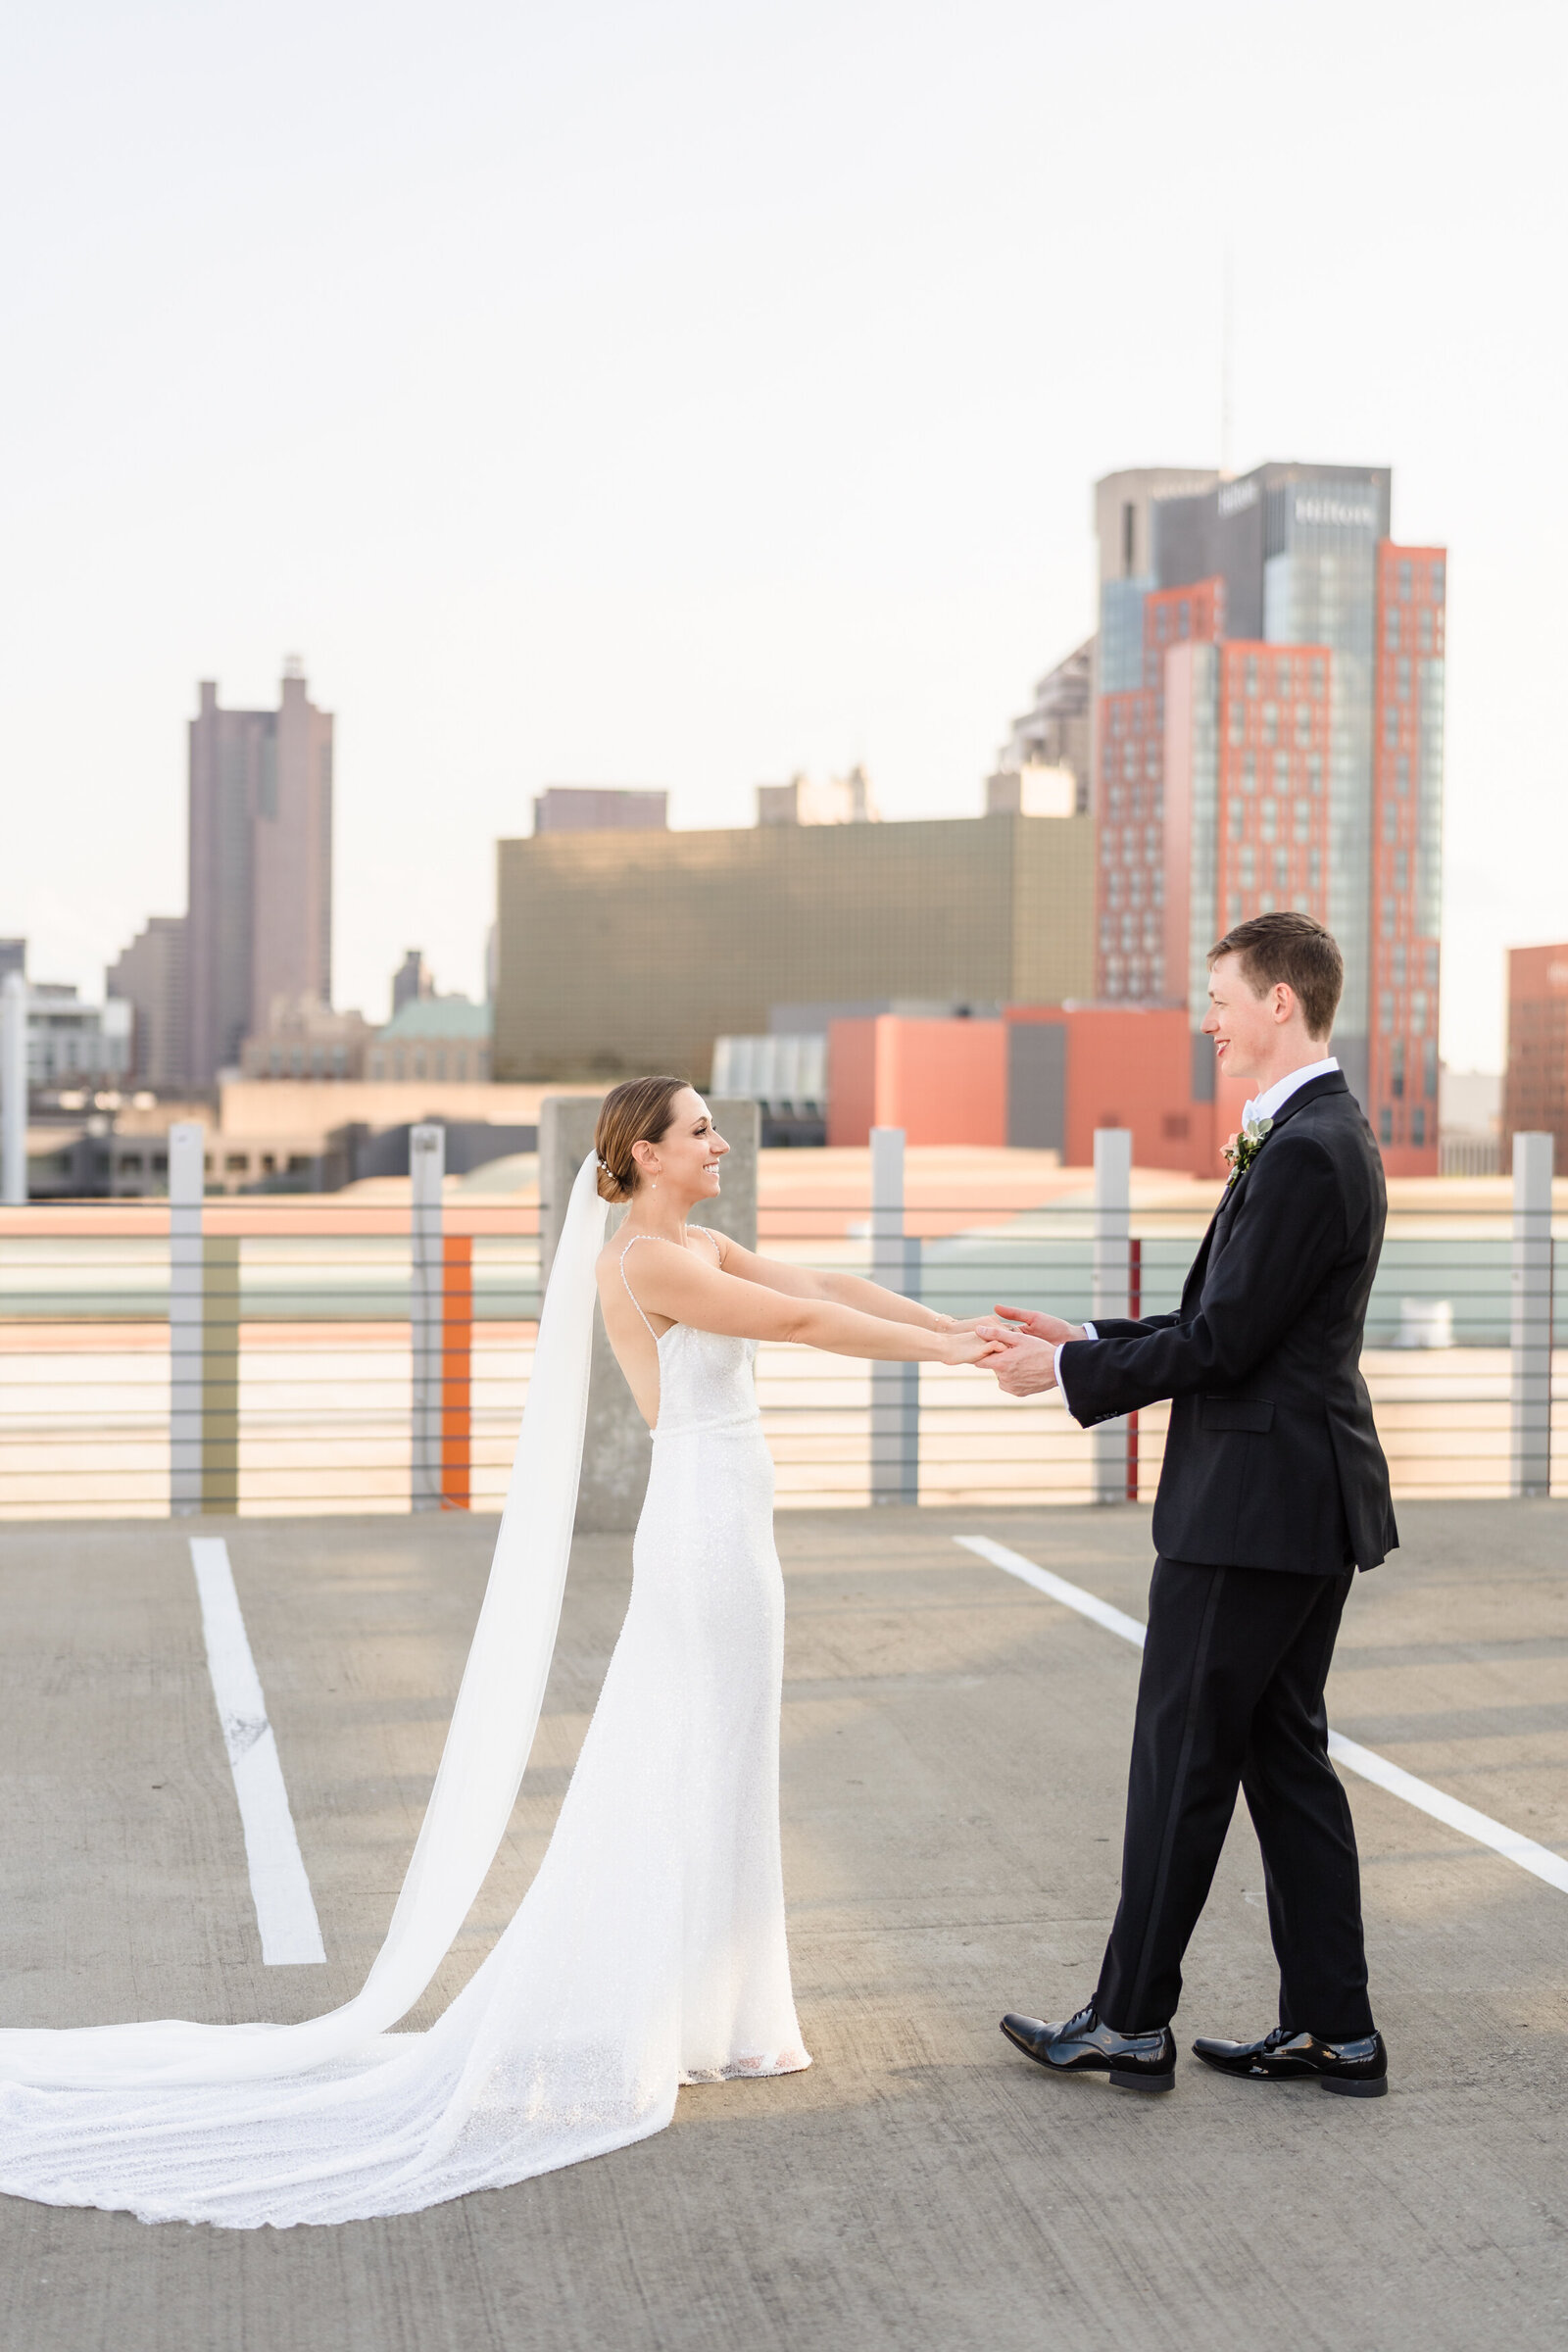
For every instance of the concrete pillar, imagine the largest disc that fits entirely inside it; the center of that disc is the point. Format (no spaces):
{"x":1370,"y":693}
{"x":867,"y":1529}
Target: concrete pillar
{"x":13,"y":1091}
{"x":1529,"y":1283}
{"x":895,"y":1388}
{"x":1112,"y":1261}
{"x":187,"y":1148}
{"x":616,"y":1445}
{"x":428,"y":1155}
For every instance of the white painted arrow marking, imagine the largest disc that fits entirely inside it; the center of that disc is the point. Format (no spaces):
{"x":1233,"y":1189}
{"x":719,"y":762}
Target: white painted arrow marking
{"x":1540,"y":1860}
{"x":285,"y":1910}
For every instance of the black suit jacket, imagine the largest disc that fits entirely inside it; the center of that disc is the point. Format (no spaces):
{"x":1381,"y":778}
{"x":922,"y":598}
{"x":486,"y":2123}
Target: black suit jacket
{"x":1272,"y":1460}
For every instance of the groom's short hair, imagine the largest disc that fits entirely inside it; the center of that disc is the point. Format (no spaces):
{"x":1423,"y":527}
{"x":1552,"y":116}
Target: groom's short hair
{"x":1289,"y":947}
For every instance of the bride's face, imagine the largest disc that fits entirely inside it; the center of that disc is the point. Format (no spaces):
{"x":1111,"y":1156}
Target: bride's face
{"x":685,"y":1159}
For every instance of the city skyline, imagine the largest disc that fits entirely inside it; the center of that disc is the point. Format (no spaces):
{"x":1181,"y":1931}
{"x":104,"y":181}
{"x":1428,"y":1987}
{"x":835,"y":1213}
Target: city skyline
{"x":589,"y":477}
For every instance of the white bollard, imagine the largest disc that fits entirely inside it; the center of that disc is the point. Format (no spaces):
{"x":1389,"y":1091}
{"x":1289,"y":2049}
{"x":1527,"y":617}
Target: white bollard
{"x":427,"y":1159}
{"x":13,"y":1091}
{"x":895,"y":1388}
{"x":1114,"y":1206}
{"x":1530,"y":1285}
{"x":187,"y":1162}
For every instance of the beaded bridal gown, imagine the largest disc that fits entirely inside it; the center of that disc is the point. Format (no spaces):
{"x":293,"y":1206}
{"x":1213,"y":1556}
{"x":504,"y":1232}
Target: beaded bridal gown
{"x":649,"y":1950}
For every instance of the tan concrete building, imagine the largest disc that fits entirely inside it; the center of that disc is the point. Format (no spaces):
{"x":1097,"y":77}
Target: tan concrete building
{"x":625,"y":951}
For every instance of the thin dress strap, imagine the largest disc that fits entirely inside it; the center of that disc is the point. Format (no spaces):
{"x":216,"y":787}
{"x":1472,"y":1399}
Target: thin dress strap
{"x":630,"y":1293}
{"x":718,"y":1250}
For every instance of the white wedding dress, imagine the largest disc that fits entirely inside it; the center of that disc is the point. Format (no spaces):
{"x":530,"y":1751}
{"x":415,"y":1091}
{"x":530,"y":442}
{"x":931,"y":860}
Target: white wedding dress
{"x":648,"y":1952}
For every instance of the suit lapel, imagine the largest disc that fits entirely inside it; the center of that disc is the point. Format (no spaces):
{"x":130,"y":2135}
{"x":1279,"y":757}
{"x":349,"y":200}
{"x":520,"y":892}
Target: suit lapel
{"x":1332,"y":1082}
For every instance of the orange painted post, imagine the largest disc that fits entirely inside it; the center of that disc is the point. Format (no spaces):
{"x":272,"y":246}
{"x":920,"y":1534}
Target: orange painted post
{"x":457,"y":1369}
{"x":1135,"y":1308}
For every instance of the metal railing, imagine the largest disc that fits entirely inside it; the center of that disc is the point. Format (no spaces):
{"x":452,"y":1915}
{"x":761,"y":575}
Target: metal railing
{"x":319,"y":1355}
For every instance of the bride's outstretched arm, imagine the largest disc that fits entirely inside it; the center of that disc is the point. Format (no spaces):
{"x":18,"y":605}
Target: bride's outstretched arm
{"x":672,"y":1282}
{"x":843,"y":1289}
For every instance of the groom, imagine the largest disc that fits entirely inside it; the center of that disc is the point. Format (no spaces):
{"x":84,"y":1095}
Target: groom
{"x":1274,"y":1492}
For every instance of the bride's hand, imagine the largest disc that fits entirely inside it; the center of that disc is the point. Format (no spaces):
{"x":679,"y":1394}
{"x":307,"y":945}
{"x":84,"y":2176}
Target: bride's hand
{"x":966,"y":1345}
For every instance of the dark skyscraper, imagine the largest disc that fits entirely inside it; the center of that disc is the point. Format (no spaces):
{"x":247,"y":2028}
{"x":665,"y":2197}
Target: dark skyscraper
{"x":260,"y":925}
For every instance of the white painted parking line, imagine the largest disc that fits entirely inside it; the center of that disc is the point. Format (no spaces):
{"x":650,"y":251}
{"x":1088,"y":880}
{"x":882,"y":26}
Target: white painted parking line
{"x":285,"y":1910}
{"x":1540,"y":1860}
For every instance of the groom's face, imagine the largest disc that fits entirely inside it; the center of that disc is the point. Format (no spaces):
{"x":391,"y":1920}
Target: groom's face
{"x":1243,"y":1024}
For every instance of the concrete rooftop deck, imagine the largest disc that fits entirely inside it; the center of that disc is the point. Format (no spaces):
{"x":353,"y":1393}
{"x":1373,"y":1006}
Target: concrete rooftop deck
{"x":954,"y":1749}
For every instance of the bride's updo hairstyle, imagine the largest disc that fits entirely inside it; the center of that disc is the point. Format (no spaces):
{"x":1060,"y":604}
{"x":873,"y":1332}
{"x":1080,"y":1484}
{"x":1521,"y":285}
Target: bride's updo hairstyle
{"x":638,"y":1112}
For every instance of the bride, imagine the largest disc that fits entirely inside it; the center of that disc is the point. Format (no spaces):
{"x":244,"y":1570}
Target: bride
{"x":650,"y":1949}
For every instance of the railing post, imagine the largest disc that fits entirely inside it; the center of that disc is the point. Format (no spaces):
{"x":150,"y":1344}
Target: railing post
{"x":895,"y":1388}
{"x":456,"y":1372}
{"x":1113,"y":1195}
{"x":13,"y":1091}
{"x":1529,"y":1283}
{"x":427,"y":1153}
{"x":187,"y":1161}
{"x":1135,"y":1307}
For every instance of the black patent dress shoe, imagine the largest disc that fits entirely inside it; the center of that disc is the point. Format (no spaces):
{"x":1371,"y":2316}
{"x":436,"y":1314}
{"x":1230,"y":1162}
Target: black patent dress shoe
{"x":1086,"y":2045}
{"x":1358,"y":2070}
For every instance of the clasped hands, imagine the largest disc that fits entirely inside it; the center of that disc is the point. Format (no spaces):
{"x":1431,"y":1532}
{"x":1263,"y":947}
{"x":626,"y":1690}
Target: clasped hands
{"x":1022,"y":1350}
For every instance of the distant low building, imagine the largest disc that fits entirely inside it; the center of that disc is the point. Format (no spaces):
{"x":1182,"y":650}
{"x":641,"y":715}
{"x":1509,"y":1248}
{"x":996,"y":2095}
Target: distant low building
{"x":600,"y":809}
{"x":306,"y":1039}
{"x":785,"y":1075}
{"x":841,"y":800}
{"x":1469,"y":1122}
{"x":1031,"y":790}
{"x":433,"y":1038}
{"x":72,"y":1044}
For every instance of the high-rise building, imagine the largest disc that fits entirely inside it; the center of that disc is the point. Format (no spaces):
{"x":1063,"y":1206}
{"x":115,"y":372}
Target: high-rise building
{"x":1268,"y":732}
{"x":260,"y":924}
{"x":1536,"y":1088}
{"x":150,"y":976}
{"x":1054,"y":732}
{"x":13,"y":957}
{"x":412,"y":981}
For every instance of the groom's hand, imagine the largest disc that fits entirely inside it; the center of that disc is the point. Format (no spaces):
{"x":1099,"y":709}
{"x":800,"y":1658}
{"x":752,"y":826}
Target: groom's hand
{"x":1049,"y":1328}
{"x":1025,"y":1361}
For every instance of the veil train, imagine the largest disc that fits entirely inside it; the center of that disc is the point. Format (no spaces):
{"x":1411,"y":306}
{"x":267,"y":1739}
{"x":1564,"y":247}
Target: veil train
{"x":487,"y":1745}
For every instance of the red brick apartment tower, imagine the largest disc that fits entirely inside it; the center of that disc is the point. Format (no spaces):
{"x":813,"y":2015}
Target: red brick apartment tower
{"x":1407,"y":857}
{"x":1141,"y":906}
{"x":1274,"y":762}
{"x":1535,"y":1097}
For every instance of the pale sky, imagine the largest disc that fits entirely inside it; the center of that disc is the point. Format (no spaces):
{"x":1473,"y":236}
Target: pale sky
{"x":685,"y":394}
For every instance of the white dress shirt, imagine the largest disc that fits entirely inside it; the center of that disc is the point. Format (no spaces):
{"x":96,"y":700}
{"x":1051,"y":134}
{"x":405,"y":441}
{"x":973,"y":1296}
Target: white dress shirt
{"x":1274,"y":1097}
{"x":1262,"y":1107}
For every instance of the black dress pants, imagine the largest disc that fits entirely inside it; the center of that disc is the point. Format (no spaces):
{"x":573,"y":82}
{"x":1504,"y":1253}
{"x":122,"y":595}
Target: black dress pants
{"x":1231,"y":1693}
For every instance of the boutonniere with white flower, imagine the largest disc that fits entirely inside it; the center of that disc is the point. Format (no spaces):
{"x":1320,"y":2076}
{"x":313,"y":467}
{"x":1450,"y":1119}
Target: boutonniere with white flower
{"x":1243,"y":1149}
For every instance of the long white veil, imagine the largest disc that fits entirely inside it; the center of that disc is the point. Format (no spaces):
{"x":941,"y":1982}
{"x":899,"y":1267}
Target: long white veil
{"x":492,"y":1731}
